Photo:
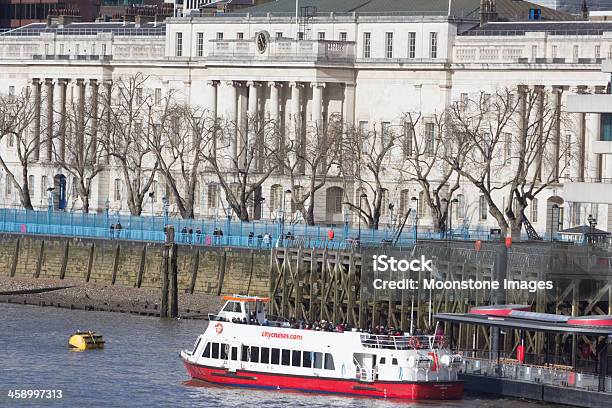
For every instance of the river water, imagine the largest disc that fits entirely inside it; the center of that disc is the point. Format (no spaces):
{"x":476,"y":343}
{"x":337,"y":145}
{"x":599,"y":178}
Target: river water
{"x":139,"y":367}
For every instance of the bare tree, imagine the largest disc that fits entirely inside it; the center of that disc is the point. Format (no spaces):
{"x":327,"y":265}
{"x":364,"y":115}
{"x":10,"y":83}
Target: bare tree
{"x":309,"y":164}
{"x":366,"y":160}
{"x":84,"y":157}
{"x":18,"y":115}
{"x":242,"y":156}
{"x":129,"y":122}
{"x":424,"y":162}
{"x":179,"y":133}
{"x":514,"y":148}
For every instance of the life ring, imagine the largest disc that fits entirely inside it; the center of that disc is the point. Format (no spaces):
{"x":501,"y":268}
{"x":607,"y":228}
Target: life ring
{"x":219,"y":328}
{"x":434,"y":357}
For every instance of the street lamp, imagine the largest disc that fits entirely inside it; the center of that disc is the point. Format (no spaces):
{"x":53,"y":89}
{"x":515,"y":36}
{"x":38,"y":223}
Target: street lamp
{"x":166,"y":205}
{"x":361,"y":197}
{"x":416,"y":220}
{"x":592,"y":224}
{"x":282,"y":232}
{"x":151,"y":196}
{"x":552,"y":219}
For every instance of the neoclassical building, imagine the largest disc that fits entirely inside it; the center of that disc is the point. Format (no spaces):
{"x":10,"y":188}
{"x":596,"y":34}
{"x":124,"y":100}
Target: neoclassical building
{"x":370,"y":63}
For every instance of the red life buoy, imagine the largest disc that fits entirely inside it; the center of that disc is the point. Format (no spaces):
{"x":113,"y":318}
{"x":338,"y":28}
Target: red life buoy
{"x":434,"y":356}
{"x":219,"y":328}
{"x":330,"y":234}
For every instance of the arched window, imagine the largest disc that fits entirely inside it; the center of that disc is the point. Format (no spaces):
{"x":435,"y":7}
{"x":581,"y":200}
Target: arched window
{"x":460,"y":206}
{"x":276,"y":197}
{"x":334,"y":200}
{"x":118,"y":188}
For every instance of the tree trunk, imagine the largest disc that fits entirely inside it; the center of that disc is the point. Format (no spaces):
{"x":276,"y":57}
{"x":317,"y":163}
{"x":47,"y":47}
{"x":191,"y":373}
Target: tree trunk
{"x":85,"y":199}
{"x":309,"y":216}
{"x":24,"y":192}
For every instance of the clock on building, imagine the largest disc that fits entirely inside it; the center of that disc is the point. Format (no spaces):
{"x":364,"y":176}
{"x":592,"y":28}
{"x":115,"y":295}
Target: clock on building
{"x":261,"y":40}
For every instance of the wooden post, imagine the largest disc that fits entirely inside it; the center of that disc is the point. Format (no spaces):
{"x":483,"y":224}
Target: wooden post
{"x":116,"y":263}
{"x":174,"y":280}
{"x":194,"y":270}
{"x":65,"y":260}
{"x":40,"y":258}
{"x":90,"y":262}
{"x":163,"y":312}
{"x":141,"y":267}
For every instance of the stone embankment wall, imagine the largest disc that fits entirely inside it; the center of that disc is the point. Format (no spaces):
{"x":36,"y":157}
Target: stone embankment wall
{"x":201,"y":269}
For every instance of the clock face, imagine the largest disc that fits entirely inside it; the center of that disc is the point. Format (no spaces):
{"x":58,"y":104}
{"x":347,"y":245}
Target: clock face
{"x":261,"y":41}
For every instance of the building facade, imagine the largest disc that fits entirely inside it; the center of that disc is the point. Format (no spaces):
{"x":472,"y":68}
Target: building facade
{"x":369,"y":68}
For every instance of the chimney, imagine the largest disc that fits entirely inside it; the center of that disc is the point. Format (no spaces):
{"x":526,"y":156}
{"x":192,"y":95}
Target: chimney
{"x":488,"y":11}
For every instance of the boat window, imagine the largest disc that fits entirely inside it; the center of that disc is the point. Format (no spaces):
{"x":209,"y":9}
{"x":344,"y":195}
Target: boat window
{"x":224,"y":350}
{"x":206,"y":352}
{"x":307,"y":359}
{"x":382,"y":360}
{"x":394,"y":361}
{"x":295,"y":358}
{"x":275,"y":356}
{"x":232,"y":307}
{"x":286,"y":355}
{"x":329,"y":362}
{"x":265,"y":355}
{"x":245,"y":353}
{"x":254,"y":354}
{"x":234,"y":353}
{"x":215,"y":350}
{"x":318,"y":361}
{"x":196,"y":345}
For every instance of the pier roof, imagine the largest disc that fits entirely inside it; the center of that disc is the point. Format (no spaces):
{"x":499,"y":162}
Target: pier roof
{"x":519,"y":323}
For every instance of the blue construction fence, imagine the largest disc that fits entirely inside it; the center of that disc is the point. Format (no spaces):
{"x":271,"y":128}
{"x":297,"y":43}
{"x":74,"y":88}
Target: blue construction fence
{"x":211,"y":232}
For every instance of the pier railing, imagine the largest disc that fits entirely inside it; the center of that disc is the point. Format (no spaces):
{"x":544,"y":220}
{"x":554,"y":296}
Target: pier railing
{"x":548,"y":375}
{"x":381,"y":341}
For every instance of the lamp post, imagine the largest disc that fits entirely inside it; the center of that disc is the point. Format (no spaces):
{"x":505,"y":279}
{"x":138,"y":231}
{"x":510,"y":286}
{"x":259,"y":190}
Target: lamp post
{"x":151,"y":196}
{"x":450,"y":217}
{"x":592,"y":224}
{"x":552,"y":219}
{"x":416,"y":220}
{"x":166,"y":205}
{"x":282,"y":232}
{"x":361,"y":197}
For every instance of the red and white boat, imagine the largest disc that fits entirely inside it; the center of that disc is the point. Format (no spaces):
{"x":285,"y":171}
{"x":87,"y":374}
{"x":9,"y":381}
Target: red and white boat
{"x":270,"y":354}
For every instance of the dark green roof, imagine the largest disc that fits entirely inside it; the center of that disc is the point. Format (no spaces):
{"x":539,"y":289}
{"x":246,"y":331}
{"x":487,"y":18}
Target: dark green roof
{"x":508,"y":10}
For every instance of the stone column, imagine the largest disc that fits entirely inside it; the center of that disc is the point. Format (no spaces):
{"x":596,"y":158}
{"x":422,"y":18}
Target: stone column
{"x":317,"y":104}
{"x":48,"y":142}
{"x":230,"y":114}
{"x":274,"y":102}
{"x":210,"y":101}
{"x":294,"y":129}
{"x":79,"y":125}
{"x":557,"y":93}
{"x":37,"y":113}
{"x":108,"y":97}
{"x":252,"y":152}
{"x":349,"y":105}
{"x":60,"y":107}
{"x":92,"y":97}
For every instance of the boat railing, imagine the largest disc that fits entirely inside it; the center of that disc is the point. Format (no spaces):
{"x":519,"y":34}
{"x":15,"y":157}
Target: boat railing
{"x":381,"y":341}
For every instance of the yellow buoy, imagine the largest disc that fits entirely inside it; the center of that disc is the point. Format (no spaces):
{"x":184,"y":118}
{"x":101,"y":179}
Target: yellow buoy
{"x":86,"y":340}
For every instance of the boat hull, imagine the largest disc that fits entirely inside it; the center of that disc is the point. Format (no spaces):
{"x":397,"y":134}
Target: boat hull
{"x":450,"y":390}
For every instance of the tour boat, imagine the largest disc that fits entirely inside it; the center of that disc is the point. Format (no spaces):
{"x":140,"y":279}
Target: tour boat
{"x":266,"y":352}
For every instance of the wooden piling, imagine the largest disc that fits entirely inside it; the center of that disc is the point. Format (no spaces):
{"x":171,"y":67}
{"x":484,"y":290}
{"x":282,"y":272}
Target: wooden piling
{"x":163,"y":312}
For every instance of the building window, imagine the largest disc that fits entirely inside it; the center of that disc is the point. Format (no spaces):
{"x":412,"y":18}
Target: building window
{"x":385,"y":130}
{"x":482,"y":206}
{"x":276,"y":197}
{"x":153,"y":191}
{"x":554,"y":51}
{"x":421,"y":205}
{"x":117,"y":191}
{"x":610,"y":52}
{"x":240,"y":36}
{"x":408,"y":138}
{"x":200,"y":45}
{"x":430,"y":135}
{"x":606,"y":127}
{"x":460,"y":206}
{"x":364,"y":131}
{"x":411,"y":45}
{"x":342,"y":36}
{"x":103,"y":49}
{"x":433,"y":45}
{"x":213,"y":195}
{"x":138,"y":95}
{"x":9,"y":188}
{"x":11,"y":90}
{"x":576,"y":52}
{"x":321,"y":35}
{"x":61,"y":49}
{"x":597,"y":51}
{"x":31,"y":183}
{"x":179,"y":44}
{"x":388,"y":45}
{"x":43,"y":186}
{"x":300,"y":35}
{"x":11,"y":140}
{"x":334,"y":200}
{"x":534,"y":210}
{"x":93,"y":49}
{"x":367,"y":45}
{"x":158,"y":96}
{"x":464,"y":100}
{"x":279,"y":34}
{"x":219,"y":35}
{"x":534,"y":52}
{"x":46,"y":49}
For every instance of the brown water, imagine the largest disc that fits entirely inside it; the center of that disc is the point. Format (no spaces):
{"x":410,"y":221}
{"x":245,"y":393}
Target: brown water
{"x":140,"y":366}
